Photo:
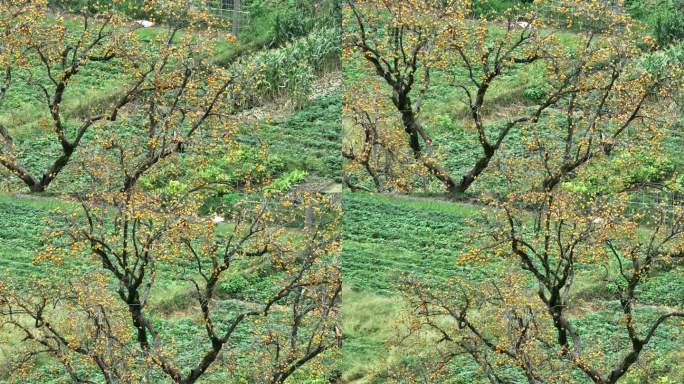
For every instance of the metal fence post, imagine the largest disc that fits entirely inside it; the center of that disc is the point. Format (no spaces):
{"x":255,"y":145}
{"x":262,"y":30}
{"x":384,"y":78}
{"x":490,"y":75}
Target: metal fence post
{"x":236,"y":16}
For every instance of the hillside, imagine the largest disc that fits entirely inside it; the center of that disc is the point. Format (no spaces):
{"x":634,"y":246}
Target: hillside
{"x":276,"y":127}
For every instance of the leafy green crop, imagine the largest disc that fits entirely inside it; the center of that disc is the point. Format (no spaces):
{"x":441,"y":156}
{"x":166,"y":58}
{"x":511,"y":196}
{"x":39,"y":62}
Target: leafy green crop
{"x":286,"y":181}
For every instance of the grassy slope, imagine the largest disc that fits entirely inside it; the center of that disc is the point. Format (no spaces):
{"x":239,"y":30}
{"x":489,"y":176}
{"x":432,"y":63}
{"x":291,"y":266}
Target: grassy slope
{"x":309,"y":139}
{"x":389,"y":237}
{"x":380,"y":241}
{"x":386,"y":238}
{"x":24,"y":223}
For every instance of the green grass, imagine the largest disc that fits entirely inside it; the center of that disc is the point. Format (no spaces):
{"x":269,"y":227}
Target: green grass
{"x":384,"y":239}
{"x":368,"y":320}
{"x":273,"y":24}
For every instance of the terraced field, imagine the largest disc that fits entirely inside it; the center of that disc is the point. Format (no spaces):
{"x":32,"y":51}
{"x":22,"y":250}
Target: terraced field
{"x":386,"y":237}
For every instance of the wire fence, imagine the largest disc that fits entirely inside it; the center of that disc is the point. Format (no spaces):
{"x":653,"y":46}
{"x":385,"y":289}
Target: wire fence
{"x":230,"y":10}
{"x":655,"y":204}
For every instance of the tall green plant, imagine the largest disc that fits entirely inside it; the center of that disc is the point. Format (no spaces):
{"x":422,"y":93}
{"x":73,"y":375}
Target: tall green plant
{"x":669,"y":22}
{"x":291,"y":69}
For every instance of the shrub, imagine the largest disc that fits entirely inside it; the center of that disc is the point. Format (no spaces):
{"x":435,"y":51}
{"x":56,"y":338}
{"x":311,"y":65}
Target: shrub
{"x":534,"y":93}
{"x":286,"y":181}
{"x":665,"y":17}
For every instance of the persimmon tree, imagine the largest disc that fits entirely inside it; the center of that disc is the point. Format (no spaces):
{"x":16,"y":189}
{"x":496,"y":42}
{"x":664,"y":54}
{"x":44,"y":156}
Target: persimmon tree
{"x":48,"y":52}
{"x":527,"y":316}
{"x":49,"y":58}
{"x":396,"y":40}
{"x":135,"y":242}
{"x":562,"y":216}
{"x":371,"y":148}
{"x":591,"y":79}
